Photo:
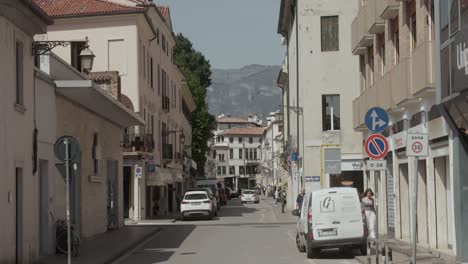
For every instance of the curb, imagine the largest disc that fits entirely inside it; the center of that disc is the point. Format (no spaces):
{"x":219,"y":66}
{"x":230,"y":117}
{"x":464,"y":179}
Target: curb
{"x":133,"y":246}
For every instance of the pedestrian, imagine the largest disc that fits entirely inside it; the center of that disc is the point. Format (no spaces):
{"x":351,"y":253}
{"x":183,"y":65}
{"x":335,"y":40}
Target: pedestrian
{"x":283,"y":200}
{"x":276,"y":196}
{"x":178,"y":201}
{"x":368,"y":203}
{"x":299,"y":199}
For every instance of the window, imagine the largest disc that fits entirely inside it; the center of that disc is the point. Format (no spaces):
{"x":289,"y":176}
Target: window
{"x":411,"y":7}
{"x":241,"y":170}
{"x":250,"y":154}
{"x":232,"y":170}
{"x":231,"y":140}
{"x":75,"y":49}
{"x":224,"y":170}
{"x":151,"y":73}
{"x":96,"y":154}
{"x":330,"y":112}
{"x":246,"y":153}
{"x":255,"y":154}
{"x":231,"y":154}
{"x":219,"y":170}
{"x":163,"y":39}
{"x":454,"y":16}
{"x":444,"y":21}
{"x":221,"y":157}
{"x":19,"y":58}
{"x":329,"y":33}
{"x":159,"y":80}
{"x":382,"y":54}
{"x":370,"y":62}
{"x":240,"y":153}
{"x":157,"y":35}
{"x":250,"y":140}
{"x":396,"y":41}
{"x":143,"y":58}
{"x":240,"y":139}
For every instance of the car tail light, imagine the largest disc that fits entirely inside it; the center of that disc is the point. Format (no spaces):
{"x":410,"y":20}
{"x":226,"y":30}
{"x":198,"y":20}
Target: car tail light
{"x":185,"y":202}
{"x":208,"y":202}
{"x":309,"y":216}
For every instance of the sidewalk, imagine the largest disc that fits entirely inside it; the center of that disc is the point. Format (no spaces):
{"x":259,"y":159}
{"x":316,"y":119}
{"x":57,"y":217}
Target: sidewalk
{"x":285,"y":217}
{"x":106,"y":247}
{"x":402,"y":253}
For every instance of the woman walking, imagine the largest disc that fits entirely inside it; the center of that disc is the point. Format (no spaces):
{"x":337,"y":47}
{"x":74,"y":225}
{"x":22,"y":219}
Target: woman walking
{"x":368,"y":203}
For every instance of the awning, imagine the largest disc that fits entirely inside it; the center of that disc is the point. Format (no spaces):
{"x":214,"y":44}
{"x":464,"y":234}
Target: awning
{"x":161,"y":177}
{"x":91,"y":96}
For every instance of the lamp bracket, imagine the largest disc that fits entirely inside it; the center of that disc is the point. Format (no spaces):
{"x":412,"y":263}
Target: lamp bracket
{"x":44,"y":47}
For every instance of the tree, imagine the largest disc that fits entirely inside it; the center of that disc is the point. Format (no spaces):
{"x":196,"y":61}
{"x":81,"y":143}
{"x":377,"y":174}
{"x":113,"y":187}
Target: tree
{"x":197,"y":71}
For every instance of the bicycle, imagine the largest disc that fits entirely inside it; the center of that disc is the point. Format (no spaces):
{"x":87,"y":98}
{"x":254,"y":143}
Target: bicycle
{"x":61,"y":238}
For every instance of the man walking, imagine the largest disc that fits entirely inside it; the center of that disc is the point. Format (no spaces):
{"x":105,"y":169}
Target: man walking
{"x":299,"y":199}
{"x":283,"y":200}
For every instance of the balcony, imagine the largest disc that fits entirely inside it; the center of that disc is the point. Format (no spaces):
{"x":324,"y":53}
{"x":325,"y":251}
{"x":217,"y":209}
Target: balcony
{"x":359,"y":108}
{"x":400,"y":82}
{"x":374,"y":24}
{"x":422,"y":69}
{"x":387,"y":9}
{"x":384,"y":94}
{"x":360,"y":38}
{"x":138,"y":143}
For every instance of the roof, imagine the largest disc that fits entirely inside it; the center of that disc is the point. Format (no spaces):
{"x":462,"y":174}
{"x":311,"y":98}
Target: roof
{"x":64,"y":8}
{"x":233,"y":120}
{"x":39,"y":12}
{"x":164,"y":10}
{"x":254,"y":131}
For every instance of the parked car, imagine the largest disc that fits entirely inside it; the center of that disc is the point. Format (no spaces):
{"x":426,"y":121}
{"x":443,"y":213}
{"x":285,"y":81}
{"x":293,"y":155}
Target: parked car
{"x":331,"y":218}
{"x":222,"y":196}
{"x":196,"y":204}
{"x":249,"y":196}
{"x":232,"y":193}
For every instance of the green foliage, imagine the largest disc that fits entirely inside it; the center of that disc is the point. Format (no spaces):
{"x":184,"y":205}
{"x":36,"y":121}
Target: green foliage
{"x":197,"y":71}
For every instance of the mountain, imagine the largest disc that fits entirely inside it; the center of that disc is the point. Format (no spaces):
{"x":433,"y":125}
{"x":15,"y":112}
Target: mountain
{"x":239,"y":92}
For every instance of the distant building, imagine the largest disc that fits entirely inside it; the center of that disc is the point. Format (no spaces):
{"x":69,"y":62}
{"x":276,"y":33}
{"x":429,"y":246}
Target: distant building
{"x":236,"y":150}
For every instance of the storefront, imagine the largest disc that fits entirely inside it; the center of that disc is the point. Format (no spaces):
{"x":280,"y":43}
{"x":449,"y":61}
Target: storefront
{"x":352,"y":175}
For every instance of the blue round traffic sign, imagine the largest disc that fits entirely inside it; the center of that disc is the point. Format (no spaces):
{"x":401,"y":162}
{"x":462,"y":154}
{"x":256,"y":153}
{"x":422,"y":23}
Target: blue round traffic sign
{"x":376,"y":119}
{"x":376,"y":146}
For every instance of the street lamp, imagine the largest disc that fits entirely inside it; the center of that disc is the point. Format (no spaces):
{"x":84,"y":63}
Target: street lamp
{"x":86,"y":55}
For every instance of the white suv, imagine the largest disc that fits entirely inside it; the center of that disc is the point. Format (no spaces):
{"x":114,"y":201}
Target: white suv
{"x":196,"y":204}
{"x":331,"y":218}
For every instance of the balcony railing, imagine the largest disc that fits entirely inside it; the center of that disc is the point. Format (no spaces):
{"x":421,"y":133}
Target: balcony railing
{"x":399,"y":81}
{"x":138,"y":143}
{"x":374,"y":24}
{"x":387,"y":9}
{"x":422,"y":68}
{"x":384,"y":95}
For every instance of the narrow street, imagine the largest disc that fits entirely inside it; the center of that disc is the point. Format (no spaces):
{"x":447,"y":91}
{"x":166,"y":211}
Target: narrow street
{"x":251,"y":233}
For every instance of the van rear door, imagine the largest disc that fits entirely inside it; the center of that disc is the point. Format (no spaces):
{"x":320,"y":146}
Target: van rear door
{"x":326,"y":215}
{"x":351,"y":215}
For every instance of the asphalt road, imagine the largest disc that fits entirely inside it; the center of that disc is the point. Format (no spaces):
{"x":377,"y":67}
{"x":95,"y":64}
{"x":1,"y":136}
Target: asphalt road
{"x":250,"y":234}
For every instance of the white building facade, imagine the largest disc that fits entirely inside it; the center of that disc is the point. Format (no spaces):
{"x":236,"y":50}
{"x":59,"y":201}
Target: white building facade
{"x":319,"y":81}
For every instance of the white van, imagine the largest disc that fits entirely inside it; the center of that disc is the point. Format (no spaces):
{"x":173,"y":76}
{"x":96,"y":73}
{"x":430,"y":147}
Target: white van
{"x":331,"y":218}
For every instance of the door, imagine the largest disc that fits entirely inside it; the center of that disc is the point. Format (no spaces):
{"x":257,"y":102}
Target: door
{"x":440,"y":174}
{"x":112,"y":191}
{"x":351,"y":215}
{"x":127,"y":174}
{"x":19,"y":214}
{"x":43,"y":207}
{"x":170,"y":198}
{"x":326,"y":215}
{"x":404,"y":202}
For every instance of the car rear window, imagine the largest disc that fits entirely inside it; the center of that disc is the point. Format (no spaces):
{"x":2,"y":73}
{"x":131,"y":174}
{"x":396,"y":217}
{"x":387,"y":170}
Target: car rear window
{"x":249,"y":192}
{"x":195,"y":196}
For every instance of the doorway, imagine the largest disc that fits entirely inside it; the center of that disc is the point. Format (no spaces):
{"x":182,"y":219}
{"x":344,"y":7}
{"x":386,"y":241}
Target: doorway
{"x":170,"y":198}
{"x":127,"y":187}
{"x":43,"y":207}
{"x":19,"y":214}
{"x":404,"y":201}
{"x":440,"y":174}
{"x":112,"y":194}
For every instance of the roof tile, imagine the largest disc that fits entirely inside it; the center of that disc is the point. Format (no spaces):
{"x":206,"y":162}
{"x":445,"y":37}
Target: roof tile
{"x":63,"y":8}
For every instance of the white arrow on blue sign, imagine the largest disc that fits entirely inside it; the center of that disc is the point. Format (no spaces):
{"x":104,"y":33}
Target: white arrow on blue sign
{"x":376,"y":119}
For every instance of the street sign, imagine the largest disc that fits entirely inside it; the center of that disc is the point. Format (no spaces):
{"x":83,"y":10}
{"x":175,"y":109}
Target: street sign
{"x":312,"y":178}
{"x":376,"y":119}
{"x":73,"y":148}
{"x":417,"y":145}
{"x":138,"y":171}
{"x":151,"y":168}
{"x":376,"y":165}
{"x":376,"y":146}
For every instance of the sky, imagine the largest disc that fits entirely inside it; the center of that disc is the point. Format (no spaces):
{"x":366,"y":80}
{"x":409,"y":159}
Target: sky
{"x":230,"y":33}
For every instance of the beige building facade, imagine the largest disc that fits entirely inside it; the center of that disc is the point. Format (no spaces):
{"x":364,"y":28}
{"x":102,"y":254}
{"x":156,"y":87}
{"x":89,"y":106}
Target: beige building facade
{"x":136,"y":40}
{"x":395,"y":44}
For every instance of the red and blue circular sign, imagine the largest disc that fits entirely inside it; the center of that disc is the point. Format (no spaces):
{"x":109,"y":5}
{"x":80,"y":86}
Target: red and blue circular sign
{"x":376,"y":146}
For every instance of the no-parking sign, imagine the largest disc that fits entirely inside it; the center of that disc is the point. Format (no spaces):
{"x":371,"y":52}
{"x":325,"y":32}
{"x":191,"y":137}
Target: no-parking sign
{"x":376,"y":146}
{"x":417,"y":145}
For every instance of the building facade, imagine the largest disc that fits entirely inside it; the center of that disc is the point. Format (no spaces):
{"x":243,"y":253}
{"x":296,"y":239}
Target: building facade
{"x":135,"y":39}
{"x":237,"y":151}
{"x":319,"y":79}
{"x":452,"y":86}
{"x":395,"y":43}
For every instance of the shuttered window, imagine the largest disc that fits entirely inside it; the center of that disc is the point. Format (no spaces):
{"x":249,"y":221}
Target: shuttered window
{"x":329,"y":33}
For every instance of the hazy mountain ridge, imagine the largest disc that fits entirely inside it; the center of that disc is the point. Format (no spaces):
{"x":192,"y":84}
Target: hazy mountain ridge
{"x":239,"y":92}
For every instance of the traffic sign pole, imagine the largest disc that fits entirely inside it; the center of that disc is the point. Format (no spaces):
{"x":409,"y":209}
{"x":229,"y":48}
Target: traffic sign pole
{"x":67,"y":180}
{"x":415,"y":207}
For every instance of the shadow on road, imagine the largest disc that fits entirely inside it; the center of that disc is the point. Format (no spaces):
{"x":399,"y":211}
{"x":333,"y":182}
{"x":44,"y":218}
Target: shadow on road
{"x":337,"y":254}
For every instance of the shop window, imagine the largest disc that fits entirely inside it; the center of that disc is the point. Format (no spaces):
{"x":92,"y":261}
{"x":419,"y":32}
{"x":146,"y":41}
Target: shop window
{"x":444,"y":21}
{"x":454,"y":16}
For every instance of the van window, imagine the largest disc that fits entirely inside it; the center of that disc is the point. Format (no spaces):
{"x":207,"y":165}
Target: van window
{"x":305,"y":205}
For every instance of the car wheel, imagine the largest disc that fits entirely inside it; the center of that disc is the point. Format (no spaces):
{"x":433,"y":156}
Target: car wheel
{"x":312,"y":252}
{"x":300,"y":247}
{"x":363,"y":249}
